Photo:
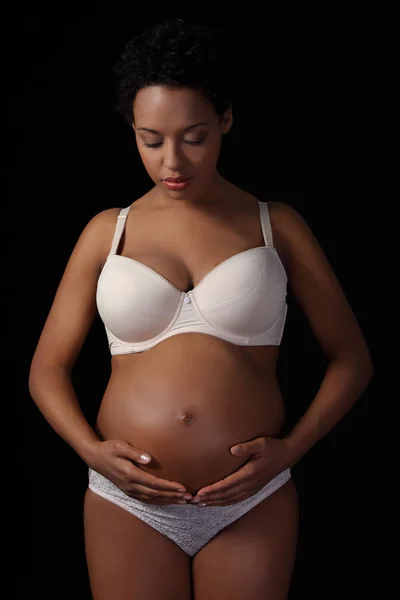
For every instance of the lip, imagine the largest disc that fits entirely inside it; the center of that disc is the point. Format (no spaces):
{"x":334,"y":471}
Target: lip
{"x":179,"y":183}
{"x":176,"y":179}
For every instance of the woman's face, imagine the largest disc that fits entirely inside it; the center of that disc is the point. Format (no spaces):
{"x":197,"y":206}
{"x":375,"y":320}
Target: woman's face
{"x":178,"y":135}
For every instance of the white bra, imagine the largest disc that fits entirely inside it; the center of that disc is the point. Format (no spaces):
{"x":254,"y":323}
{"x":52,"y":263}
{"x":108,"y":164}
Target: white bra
{"x":242,"y":300}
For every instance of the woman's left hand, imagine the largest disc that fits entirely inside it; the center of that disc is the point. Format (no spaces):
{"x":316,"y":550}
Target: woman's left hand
{"x":267,"y":458}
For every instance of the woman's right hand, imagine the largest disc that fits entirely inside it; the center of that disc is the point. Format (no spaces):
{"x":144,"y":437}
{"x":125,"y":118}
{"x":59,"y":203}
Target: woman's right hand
{"x":114,"y":459}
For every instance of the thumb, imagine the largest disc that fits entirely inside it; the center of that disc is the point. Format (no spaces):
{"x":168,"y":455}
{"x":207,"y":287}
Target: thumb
{"x":247,"y":447}
{"x":135,"y":454}
{"x":144,"y":458}
{"x":240,"y":449}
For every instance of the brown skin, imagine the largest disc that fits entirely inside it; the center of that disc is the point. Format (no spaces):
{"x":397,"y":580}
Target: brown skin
{"x":170,"y":112}
{"x":235,"y":396}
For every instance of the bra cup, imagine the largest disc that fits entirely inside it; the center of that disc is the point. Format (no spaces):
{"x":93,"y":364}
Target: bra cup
{"x":134,"y":304}
{"x":249,"y":315}
{"x":242,"y":297}
{"x":247,"y":304}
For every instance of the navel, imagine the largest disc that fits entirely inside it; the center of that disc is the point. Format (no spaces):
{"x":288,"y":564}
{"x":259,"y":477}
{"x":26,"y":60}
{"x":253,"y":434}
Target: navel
{"x":186,"y":417}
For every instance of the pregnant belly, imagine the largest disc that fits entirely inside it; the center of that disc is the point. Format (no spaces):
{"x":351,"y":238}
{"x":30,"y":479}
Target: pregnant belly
{"x":186,"y":402}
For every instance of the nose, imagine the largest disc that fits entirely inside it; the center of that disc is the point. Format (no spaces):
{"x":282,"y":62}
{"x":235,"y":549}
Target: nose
{"x":173,"y":160}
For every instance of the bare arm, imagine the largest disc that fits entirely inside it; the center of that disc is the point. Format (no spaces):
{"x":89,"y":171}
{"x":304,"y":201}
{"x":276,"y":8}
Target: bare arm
{"x":333,"y":323}
{"x":67,"y":325}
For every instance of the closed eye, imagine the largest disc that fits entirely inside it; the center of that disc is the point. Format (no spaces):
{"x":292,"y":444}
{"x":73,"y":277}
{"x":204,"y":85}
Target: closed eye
{"x":186,"y":142}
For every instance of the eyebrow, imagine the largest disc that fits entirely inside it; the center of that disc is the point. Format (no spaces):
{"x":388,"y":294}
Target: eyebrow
{"x":186,"y":128}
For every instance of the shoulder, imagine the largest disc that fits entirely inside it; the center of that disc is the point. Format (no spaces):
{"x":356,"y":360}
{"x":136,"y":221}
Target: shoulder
{"x":103,"y":221}
{"x":289,"y":228}
{"x":283,"y":215}
{"x":100,"y":228}
{"x":94,"y":242}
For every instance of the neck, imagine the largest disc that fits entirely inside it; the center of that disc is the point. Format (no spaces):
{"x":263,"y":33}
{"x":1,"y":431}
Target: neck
{"x":210,"y":197}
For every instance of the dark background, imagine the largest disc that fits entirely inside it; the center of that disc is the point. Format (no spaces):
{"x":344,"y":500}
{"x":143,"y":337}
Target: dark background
{"x":314,"y":124}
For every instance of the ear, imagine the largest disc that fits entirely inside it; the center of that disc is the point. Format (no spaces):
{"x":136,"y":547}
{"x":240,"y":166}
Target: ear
{"x":226,"y":120}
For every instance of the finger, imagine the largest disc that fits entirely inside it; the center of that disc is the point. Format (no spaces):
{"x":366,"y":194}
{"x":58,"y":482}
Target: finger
{"x":229,"y":501}
{"x":156,"y":483}
{"x":158,"y":500}
{"x":169,"y":502}
{"x":226,"y":494}
{"x":228,"y":483}
{"x":252,"y":447}
{"x":151,"y":493}
{"x":125,"y":450}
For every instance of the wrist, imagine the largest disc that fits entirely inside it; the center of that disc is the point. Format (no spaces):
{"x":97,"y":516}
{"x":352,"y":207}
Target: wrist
{"x":89,"y":451}
{"x":292,"y":454}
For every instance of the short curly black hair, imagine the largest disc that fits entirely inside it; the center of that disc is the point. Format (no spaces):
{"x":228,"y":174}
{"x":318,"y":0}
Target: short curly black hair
{"x":173,"y":53}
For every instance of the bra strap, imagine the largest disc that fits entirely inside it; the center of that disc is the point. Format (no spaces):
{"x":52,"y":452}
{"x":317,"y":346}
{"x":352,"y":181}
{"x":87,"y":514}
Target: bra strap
{"x":266,"y":224}
{"x":119,"y":229}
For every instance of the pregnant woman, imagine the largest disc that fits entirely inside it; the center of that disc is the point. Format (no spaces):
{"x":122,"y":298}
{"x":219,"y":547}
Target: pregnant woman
{"x":190,"y":282}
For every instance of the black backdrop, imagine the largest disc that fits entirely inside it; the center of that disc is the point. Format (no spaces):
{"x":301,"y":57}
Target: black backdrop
{"x":312,"y":127}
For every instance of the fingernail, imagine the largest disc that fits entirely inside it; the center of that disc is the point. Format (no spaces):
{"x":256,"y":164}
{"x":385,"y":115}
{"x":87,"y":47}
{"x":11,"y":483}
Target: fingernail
{"x":187,"y":497}
{"x":145,"y":457}
{"x":202,"y":504}
{"x":237,"y":450}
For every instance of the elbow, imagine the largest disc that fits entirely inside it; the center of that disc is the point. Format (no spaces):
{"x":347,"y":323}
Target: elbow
{"x":365,"y":371}
{"x":39,"y":373}
{"x":34,"y":378}
{"x":360,"y":362}
{"x":368,"y":369}
{"x":356,"y":359}
{"x":363,"y":359}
